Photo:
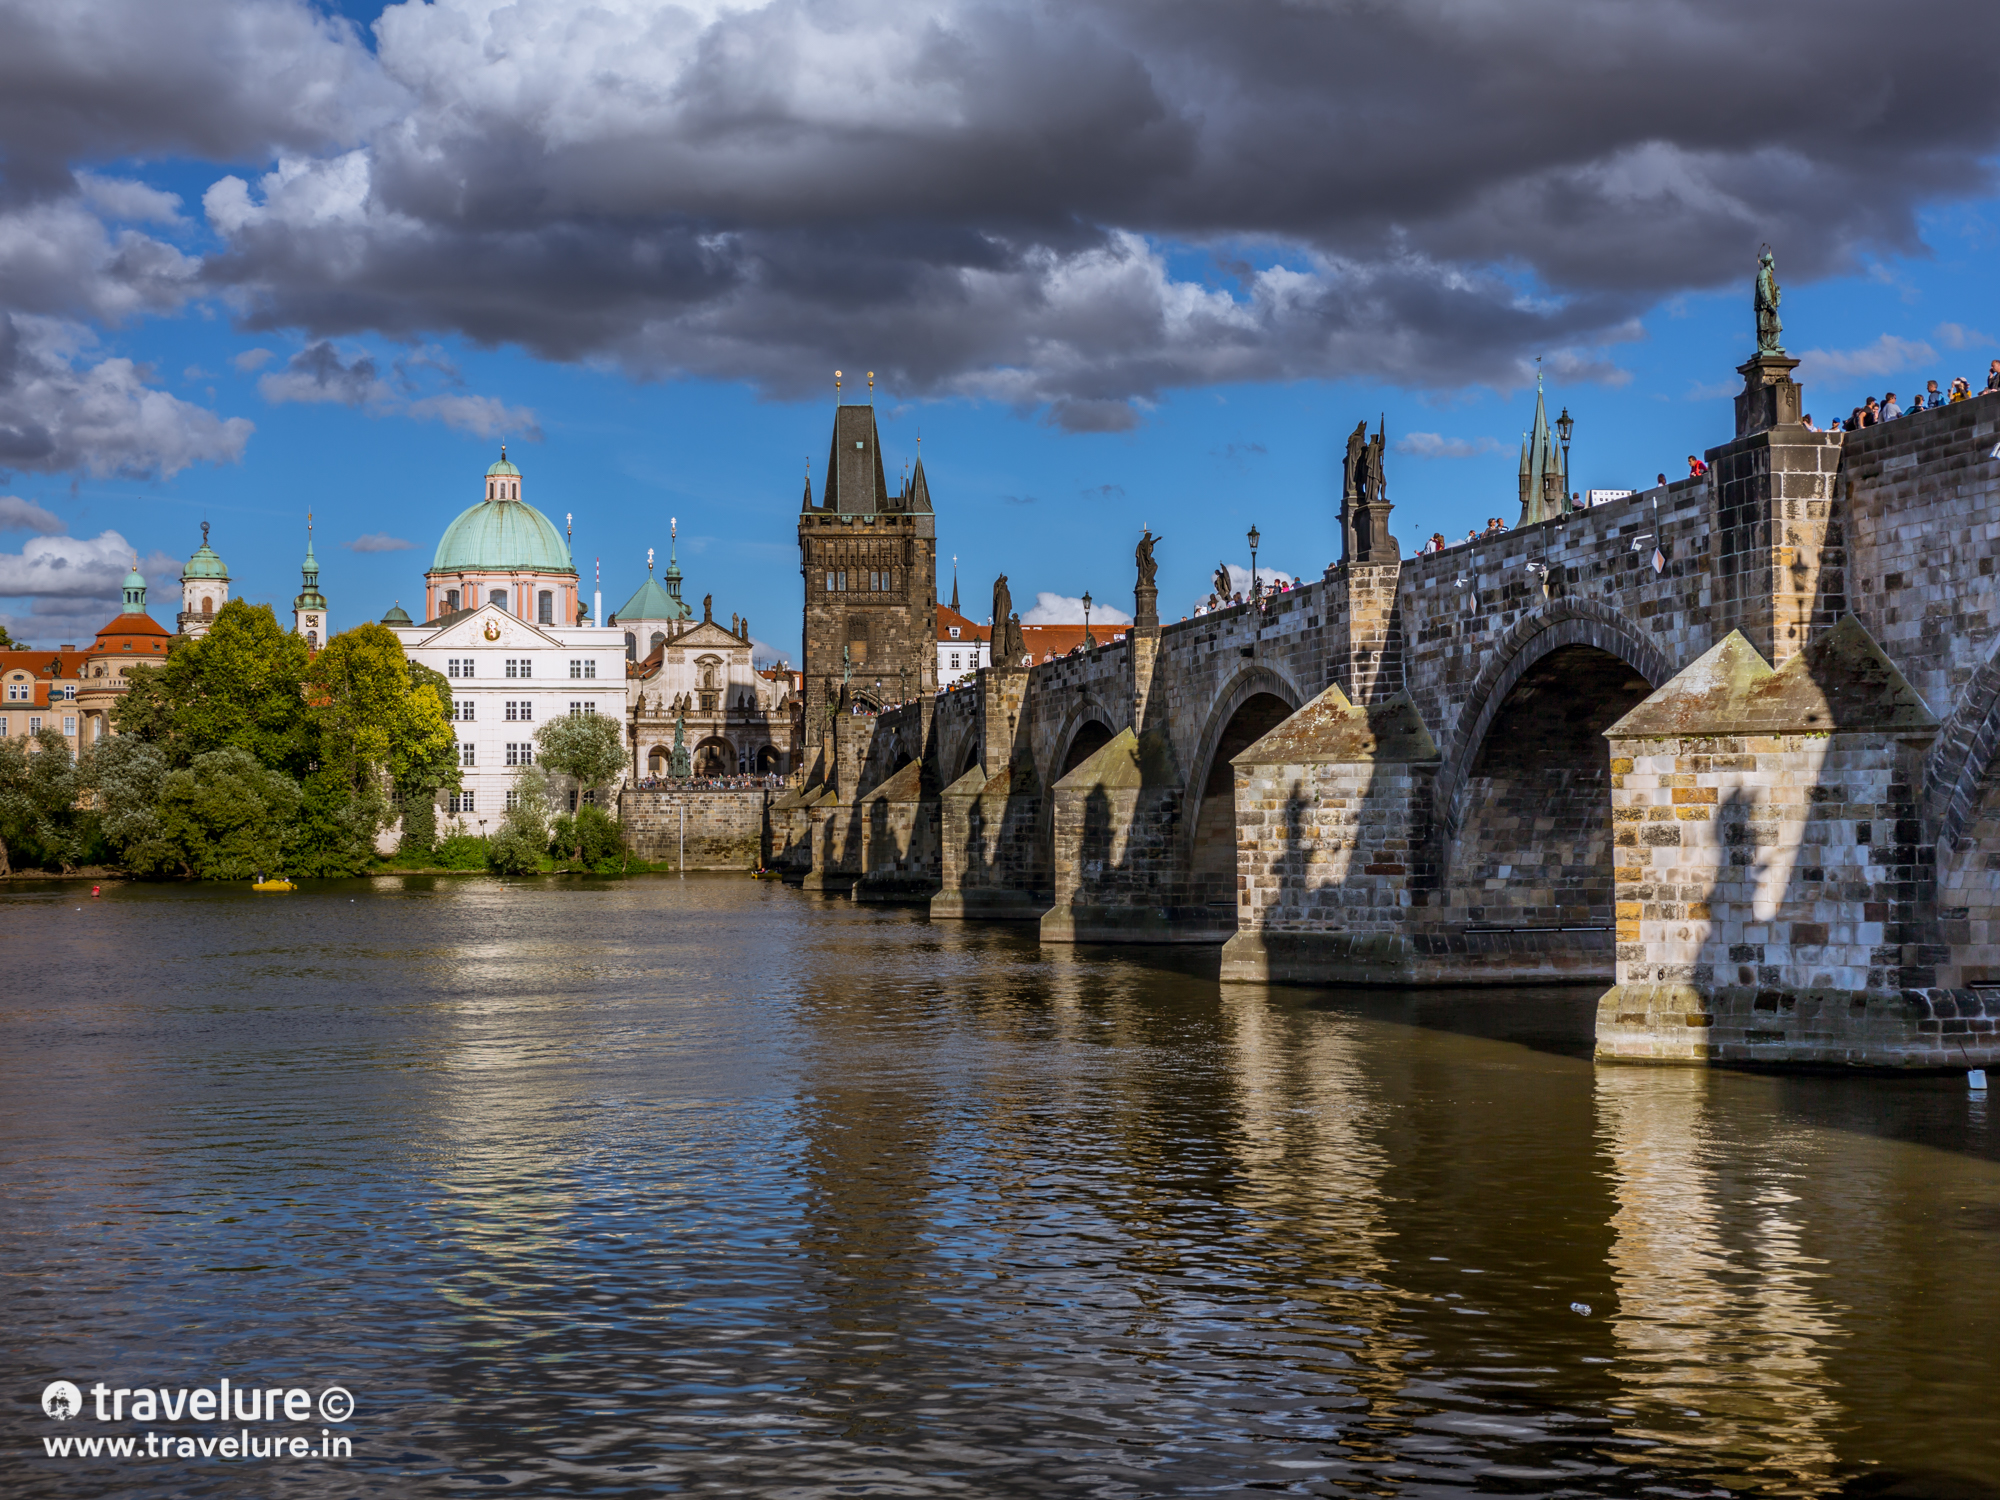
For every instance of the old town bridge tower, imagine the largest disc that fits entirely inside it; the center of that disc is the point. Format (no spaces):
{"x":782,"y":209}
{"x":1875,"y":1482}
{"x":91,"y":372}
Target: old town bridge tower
{"x":870,"y":563}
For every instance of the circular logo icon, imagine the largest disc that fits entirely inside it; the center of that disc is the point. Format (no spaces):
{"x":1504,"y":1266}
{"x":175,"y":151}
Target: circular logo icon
{"x":492,"y":631}
{"x":61,"y":1400}
{"x":335,"y":1404}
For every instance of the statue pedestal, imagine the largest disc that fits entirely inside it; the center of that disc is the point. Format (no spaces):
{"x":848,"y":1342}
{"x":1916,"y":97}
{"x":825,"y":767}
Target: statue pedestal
{"x":1146,"y":607}
{"x":1770,"y":397}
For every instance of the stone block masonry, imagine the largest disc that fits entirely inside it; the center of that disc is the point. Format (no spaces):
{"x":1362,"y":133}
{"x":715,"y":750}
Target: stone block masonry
{"x":725,"y":830}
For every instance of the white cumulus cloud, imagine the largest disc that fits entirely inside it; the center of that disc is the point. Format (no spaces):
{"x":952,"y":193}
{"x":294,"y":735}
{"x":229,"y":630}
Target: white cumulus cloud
{"x":1061,"y":609}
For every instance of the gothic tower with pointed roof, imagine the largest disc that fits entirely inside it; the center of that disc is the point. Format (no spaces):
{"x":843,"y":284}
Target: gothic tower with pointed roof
{"x":869,"y":558}
{"x":1544,"y":483}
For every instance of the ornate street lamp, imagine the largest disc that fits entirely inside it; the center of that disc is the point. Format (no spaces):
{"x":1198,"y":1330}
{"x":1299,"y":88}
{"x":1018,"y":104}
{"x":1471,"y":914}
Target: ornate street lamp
{"x":1088,"y":644}
{"x":1253,"y":562}
{"x":1565,"y":425}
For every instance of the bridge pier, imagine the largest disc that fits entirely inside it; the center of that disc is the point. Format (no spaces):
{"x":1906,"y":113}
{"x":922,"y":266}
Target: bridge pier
{"x":1775,"y":894}
{"x":1116,"y":843}
{"x":1332,"y":809}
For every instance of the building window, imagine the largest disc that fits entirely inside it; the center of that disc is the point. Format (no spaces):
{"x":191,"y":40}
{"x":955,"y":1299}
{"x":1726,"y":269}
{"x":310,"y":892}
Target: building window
{"x":631,"y":646}
{"x":954,"y":632}
{"x":465,"y":756}
{"x":659,"y":640}
{"x":458,"y":666}
{"x":34,"y":723}
{"x":521,"y":711}
{"x":451,"y":600}
{"x":465,"y":713}
{"x":497,"y":596}
{"x":584,"y":668}
{"x":69,"y":724}
{"x":463,"y":802}
{"x":954,"y":661}
{"x":520,"y":753}
{"x":545,"y":608}
{"x":513,"y":798}
{"x":18,"y":693}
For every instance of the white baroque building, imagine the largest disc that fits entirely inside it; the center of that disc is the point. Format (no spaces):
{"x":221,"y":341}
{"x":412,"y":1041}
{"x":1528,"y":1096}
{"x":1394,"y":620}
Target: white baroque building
{"x":501,"y":584}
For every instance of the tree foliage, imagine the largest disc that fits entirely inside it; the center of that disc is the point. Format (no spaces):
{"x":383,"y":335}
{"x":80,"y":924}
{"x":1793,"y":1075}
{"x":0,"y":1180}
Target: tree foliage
{"x":225,"y":817}
{"x":38,"y":797}
{"x":240,"y":686}
{"x":343,"y":728}
{"x":589,"y":749}
{"x":125,"y":773}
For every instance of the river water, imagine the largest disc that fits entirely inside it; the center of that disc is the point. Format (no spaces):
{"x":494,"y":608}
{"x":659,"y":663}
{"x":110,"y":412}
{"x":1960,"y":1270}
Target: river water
{"x":713,"y":1187}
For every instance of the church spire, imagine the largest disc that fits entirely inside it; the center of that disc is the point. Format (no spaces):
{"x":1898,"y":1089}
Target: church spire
{"x":1544,"y":484}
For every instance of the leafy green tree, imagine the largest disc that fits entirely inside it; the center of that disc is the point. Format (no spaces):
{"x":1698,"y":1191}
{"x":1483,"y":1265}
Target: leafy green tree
{"x":516,"y":849}
{"x":376,"y":723}
{"x":594,"y":835}
{"x":38,"y":792}
{"x":225,"y":817}
{"x":419,"y":777}
{"x":588,"y":749}
{"x":8,"y":643}
{"x":242,"y":685}
{"x":125,"y":774}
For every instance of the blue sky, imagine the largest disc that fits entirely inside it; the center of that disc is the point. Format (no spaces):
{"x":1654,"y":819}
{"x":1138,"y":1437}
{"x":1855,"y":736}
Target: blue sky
{"x":1078,"y":360}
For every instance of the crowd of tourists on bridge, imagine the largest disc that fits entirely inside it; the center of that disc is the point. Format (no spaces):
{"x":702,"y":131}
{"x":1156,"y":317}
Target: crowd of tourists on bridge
{"x":1266,"y":590}
{"x":1930,"y":398}
{"x":709,"y":783}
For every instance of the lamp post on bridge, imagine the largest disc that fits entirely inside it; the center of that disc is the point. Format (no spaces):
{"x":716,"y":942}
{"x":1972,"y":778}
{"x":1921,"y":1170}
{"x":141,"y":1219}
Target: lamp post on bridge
{"x":1088,"y":644}
{"x":1253,"y":562}
{"x":1565,"y":425}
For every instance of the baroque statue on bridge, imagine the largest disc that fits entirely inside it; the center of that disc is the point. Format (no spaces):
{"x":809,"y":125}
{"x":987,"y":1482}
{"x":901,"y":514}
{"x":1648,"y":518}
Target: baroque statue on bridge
{"x":1144,"y":556}
{"x":1767,"y":298}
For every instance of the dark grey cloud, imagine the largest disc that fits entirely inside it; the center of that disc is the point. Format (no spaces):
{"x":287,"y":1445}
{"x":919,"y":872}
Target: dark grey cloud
{"x":64,"y":409}
{"x":1067,"y":208}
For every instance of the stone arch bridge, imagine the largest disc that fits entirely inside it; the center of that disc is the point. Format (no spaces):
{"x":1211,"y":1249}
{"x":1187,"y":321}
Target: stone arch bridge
{"x":1749,"y":784}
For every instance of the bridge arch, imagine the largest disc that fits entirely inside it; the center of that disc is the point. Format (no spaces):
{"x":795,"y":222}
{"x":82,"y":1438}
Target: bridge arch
{"x":1085,"y":730}
{"x":1563,"y":622}
{"x":1962,"y":806}
{"x":1523,"y":800}
{"x":958,"y":746}
{"x":1251,"y":704}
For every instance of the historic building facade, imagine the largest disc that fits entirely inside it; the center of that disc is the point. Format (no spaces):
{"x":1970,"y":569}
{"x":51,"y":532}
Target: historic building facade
{"x":869,"y":558}
{"x":74,"y":692}
{"x":502,"y":630}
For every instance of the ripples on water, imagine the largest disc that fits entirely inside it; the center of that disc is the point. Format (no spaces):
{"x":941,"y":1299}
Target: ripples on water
{"x":710,"y":1187}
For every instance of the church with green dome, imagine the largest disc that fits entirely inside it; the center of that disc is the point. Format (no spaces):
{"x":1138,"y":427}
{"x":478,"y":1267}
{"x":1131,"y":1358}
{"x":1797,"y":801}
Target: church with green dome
{"x":204,"y":589}
{"x":503,"y":551}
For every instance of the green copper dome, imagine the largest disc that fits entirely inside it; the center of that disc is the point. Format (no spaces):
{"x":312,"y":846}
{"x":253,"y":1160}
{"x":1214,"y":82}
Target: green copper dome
{"x":498,"y":536}
{"x":397,"y":615}
{"x":503,"y":469}
{"x":205,"y":563}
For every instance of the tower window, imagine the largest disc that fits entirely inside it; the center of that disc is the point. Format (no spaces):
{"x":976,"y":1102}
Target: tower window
{"x":451,"y":600}
{"x":208,"y":606}
{"x":545,"y":608}
{"x":497,"y":596}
